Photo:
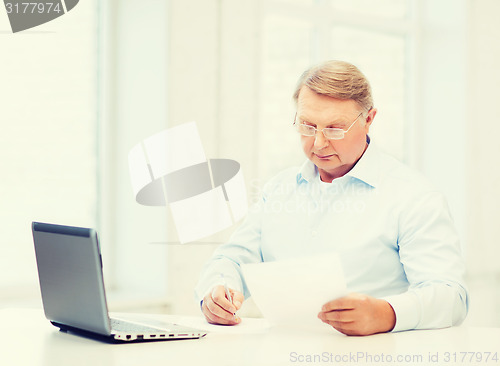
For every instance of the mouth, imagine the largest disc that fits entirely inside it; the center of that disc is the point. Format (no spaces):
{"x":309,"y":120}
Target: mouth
{"x":324,"y":157}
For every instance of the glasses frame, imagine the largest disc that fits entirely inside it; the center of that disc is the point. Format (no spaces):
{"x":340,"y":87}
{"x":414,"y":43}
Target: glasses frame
{"x":326,"y":128}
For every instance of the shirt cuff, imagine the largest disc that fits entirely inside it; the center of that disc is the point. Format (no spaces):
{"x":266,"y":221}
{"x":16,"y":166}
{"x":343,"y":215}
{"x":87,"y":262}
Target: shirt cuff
{"x":407,"y":310}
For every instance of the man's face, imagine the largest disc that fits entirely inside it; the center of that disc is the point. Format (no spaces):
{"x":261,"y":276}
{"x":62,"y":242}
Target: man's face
{"x":334,"y":158}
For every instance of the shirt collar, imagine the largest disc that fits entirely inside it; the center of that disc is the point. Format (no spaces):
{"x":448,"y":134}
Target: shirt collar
{"x":365,"y":170}
{"x":307,"y":172}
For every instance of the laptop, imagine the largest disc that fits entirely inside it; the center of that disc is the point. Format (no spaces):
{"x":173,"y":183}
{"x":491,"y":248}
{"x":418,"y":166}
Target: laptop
{"x":72,"y":287}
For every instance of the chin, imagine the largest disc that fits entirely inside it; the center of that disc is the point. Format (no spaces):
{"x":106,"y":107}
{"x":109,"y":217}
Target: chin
{"x":325,"y":165}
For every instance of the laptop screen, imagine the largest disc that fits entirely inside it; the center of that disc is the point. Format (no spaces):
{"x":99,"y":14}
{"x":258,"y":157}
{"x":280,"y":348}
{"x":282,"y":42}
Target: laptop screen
{"x":70,"y":273}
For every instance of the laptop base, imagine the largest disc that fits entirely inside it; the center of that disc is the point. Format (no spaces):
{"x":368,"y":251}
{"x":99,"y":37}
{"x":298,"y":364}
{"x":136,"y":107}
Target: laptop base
{"x":111,"y":338}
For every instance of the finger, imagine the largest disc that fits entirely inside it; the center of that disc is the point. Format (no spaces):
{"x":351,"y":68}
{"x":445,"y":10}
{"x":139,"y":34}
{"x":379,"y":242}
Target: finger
{"x":343,"y":303}
{"x":343,"y":316}
{"x":219,"y":312}
{"x":350,"y":329}
{"x":238,"y":298}
{"x":345,"y":328}
{"x":219,"y":297}
{"x":212,"y":311}
{"x":214,"y":319}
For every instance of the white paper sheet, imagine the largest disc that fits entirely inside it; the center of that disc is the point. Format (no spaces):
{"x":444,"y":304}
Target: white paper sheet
{"x":247,"y":325}
{"x":291,"y":292}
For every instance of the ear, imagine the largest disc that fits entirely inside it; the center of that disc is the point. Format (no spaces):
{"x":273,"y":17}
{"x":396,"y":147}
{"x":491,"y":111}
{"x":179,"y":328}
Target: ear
{"x":369,"y":118}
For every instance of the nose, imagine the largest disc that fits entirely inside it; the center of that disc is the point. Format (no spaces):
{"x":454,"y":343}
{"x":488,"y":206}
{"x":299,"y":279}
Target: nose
{"x":320,"y":141}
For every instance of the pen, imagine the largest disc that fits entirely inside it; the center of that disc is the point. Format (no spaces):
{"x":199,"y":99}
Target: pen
{"x":228,"y":294}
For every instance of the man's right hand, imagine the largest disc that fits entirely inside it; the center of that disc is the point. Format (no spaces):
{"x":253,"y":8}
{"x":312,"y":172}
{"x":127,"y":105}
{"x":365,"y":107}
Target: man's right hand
{"x":218,"y":309}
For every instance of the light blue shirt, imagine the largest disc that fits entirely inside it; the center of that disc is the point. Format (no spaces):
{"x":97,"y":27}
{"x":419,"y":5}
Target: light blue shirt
{"x":391,"y":228}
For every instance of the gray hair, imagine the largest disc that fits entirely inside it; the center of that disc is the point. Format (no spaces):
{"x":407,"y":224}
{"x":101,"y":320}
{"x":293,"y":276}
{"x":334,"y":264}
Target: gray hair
{"x":337,"y":79}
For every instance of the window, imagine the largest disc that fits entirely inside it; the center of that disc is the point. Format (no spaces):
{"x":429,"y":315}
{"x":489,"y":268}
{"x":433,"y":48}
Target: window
{"x":294,"y":35}
{"x":48,"y":140}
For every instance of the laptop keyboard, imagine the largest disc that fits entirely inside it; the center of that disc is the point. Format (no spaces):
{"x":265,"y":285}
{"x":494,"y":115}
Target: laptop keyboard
{"x":124,"y":326}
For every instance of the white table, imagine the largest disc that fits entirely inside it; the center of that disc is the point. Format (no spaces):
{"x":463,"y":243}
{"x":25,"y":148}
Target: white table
{"x":27,"y":338}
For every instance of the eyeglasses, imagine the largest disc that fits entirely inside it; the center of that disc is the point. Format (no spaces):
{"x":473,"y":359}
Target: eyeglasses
{"x":329,"y":132}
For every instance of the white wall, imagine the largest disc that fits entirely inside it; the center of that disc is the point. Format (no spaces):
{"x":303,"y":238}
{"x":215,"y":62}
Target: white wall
{"x":482,"y":131}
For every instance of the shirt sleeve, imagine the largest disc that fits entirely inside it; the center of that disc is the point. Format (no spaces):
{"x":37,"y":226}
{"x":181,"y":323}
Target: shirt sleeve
{"x":430,"y":252}
{"x":244,"y":246}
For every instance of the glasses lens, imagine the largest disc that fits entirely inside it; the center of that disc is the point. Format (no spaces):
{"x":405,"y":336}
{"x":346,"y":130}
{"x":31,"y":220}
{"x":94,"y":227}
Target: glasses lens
{"x":334,"y":133}
{"x":305,"y":130}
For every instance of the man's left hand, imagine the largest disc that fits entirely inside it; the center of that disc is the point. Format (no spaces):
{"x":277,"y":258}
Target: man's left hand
{"x":357,"y":314}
